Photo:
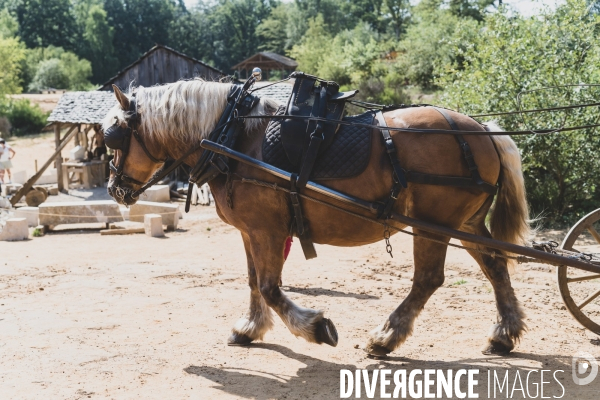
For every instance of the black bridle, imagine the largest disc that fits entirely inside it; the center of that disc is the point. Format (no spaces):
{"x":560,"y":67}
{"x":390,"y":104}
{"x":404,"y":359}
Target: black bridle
{"x":239,"y":103}
{"x":119,"y":138}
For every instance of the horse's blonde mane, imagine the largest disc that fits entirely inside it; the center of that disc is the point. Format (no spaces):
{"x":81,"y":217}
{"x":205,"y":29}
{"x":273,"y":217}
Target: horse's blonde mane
{"x":184,"y":111}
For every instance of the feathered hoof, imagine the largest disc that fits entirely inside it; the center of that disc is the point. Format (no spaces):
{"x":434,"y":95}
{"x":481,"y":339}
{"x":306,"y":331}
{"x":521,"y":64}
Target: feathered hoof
{"x":497,"y":348}
{"x":325,"y":332}
{"x":375,"y":350}
{"x":237,"y":339}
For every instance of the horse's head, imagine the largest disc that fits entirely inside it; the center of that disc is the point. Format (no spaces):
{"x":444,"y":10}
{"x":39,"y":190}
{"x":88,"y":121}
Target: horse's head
{"x":136,"y":156}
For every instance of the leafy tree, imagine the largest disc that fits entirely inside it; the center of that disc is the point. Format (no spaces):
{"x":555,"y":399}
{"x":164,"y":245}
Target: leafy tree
{"x":12,"y":54}
{"x":399,"y":11}
{"x":55,"y":68}
{"x":9,"y":26}
{"x":272,"y":32}
{"x":191,"y":34}
{"x":138,"y":26}
{"x":46,"y":22}
{"x":234,"y":25}
{"x":511,"y":55}
{"x":98,"y":36}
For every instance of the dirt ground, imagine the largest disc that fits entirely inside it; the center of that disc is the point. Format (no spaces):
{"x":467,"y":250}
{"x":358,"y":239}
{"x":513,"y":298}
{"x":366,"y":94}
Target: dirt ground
{"x":129,"y":317}
{"x":90,"y":316}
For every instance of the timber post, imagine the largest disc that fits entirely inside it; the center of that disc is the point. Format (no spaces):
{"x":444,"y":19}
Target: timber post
{"x":59,"y":175}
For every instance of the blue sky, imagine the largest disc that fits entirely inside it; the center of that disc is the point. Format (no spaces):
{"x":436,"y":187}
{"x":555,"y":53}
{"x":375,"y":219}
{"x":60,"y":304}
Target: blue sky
{"x":525,"y":7}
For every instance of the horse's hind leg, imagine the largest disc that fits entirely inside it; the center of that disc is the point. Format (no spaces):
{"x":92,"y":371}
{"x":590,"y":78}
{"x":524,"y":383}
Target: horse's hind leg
{"x":510,"y":326}
{"x":267,"y":252}
{"x":259,"y":318}
{"x":429,"y":258}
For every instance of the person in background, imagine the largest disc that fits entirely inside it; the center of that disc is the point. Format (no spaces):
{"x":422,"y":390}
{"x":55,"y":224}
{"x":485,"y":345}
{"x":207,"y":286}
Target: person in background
{"x":5,"y":164}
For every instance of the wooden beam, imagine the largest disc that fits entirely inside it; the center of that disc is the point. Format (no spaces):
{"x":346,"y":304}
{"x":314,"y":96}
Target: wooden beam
{"x":59,"y":176}
{"x":23,"y":191}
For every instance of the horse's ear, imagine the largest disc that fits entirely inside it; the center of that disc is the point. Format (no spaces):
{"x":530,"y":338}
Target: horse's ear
{"x":121,"y":98}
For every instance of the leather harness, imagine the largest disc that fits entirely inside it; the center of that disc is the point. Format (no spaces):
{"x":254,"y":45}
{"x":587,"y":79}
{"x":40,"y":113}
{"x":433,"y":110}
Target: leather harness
{"x":315,"y":127}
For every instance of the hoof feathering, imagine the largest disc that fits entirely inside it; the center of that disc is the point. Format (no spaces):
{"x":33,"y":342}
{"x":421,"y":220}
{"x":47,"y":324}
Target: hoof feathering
{"x":237,"y":339}
{"x":497,"y":348}
{"x":376,"y":350}
{"x":325,"y":332}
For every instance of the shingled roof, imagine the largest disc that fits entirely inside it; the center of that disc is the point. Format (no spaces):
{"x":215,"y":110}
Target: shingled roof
{"x":267,"y":60}
{"x":279,"y":92}
{"x":83,"y":107}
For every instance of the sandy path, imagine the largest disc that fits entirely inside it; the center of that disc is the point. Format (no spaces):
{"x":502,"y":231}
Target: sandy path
{"x":135,"y":317}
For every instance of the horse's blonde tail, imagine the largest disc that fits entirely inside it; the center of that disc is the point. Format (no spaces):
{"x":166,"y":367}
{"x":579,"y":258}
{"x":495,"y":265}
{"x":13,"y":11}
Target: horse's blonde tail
{"x":509,"y":221}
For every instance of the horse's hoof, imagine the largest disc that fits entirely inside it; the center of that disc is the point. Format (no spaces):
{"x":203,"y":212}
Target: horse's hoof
{"x":237,"y":339}
{"x":497,"y":348}
{"x":325,"y":332}
{"x":375,"y":350}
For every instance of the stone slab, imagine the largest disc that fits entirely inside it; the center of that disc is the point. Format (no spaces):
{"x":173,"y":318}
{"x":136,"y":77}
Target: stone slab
{"x":19,"y":177}
{"x":157,"y":193}
{"x":167,"y":211}
{"x":15,"y":229}
{"x":153,"y":225}
{"x":48,"y":177}
{"x":81,"y":212}
{"x":31,"y":214}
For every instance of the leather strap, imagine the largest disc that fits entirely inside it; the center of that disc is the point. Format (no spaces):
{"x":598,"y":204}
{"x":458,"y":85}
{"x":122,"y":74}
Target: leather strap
{"x":399,"y":173}
{"x":308,"y":248}
{"x":466,"y":149}
{"x":456,"y":181}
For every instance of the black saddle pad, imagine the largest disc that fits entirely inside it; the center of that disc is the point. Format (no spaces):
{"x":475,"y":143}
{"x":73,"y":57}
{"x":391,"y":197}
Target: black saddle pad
{"x":346,"y":157}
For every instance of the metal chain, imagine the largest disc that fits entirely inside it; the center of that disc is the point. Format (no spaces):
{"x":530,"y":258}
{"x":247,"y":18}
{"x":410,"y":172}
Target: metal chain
{"x":386,"y":237}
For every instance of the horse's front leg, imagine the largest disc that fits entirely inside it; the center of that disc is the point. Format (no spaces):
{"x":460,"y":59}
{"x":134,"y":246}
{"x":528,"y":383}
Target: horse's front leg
{"x":259,"y":318}
{"x":429,"y":258}
{"x":268,"y":256}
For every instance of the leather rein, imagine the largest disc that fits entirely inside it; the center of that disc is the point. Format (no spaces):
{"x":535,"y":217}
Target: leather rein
{"x":240,"y":102}
{"x":131,"y":131}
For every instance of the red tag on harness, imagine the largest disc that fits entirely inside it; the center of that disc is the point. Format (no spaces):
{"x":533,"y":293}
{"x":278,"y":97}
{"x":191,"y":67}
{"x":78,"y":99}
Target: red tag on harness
{"x":288,"y":247}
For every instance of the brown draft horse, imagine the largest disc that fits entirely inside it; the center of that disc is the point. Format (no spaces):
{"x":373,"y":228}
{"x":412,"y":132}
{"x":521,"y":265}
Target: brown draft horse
{"x":175,"y":116}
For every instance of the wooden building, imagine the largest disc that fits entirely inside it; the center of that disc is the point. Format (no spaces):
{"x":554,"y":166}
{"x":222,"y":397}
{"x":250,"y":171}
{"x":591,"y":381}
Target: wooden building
{"x":268,"y":62}
{"x":161,"y":65}
{"x":78,"y":115}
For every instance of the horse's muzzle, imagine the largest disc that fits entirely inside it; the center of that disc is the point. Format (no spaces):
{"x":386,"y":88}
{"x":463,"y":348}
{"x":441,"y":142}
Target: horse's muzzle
{"x":121,"y":193}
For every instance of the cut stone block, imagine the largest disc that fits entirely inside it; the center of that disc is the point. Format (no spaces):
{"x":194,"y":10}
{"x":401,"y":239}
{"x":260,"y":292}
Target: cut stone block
{"x":125,"y":213}
{"x":157,"y":193}
{"x":19,"y":177}
{"x":81,"y":212}
{"x":167,"y":211}
{"x":31,"y":214}
{"x":48,"y":177}
{"x":15,"y":229}
{"x":153,"y":225}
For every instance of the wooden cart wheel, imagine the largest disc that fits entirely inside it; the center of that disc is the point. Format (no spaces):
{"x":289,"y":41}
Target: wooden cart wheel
{"x":580,"y":290}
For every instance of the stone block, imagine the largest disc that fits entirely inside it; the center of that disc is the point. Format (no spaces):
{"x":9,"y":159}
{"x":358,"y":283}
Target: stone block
{"x":19,"y":177}
{"x":80,"y":212}
{"x":31,"y":214}
{"x":125,"y":213}
{"x":153,"y":225}
{"x":15,"y":229}
{"x":48,"y":177}
{"x":53,"y":191}
{"x":157,"y":193}
{"x":167,"y":211}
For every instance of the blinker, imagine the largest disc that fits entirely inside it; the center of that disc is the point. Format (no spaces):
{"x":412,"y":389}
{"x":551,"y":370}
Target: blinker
{"x":115,"y":137}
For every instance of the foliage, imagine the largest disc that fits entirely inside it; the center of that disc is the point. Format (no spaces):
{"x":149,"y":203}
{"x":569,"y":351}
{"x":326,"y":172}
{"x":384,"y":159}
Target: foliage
{"x":46,"y":22}
{"x":12,"y":54}
{"x":98,"y":36}
{"x":508,"y":56}
{"x":24,"y":117}
{"x":9,"y":26}
{"x":58,"y":69}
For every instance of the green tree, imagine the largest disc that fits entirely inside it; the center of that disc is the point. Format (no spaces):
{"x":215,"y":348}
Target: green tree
{"x":507,"y":64}
{"x":12,"y":54}
{"x":56,"y":68}
{"x":99,"y":36}
{"x":9,"y":26}
{"x":46,"y":22}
